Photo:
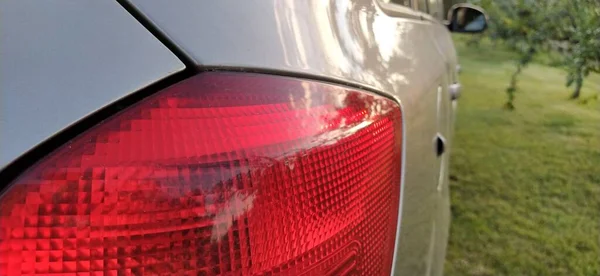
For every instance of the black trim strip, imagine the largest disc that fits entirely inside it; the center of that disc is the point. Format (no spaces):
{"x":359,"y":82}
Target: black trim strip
{"x":27,"y":160}
{"x":298,"y":75}
{"x":160,"y":35}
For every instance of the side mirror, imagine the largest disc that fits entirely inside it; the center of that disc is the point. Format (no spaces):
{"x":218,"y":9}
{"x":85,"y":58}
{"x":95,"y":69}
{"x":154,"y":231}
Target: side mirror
{"x":466,"y":18}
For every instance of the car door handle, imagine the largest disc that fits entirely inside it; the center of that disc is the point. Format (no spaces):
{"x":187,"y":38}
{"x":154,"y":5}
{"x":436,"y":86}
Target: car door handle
{"x":440,"y":145}
{"x":454,"y":91}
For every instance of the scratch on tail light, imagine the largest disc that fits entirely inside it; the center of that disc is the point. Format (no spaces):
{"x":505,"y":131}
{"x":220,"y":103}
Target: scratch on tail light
{"x":223,"y":173}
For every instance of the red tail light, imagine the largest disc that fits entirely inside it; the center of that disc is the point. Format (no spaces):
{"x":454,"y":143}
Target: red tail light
{"x":221,"y":174}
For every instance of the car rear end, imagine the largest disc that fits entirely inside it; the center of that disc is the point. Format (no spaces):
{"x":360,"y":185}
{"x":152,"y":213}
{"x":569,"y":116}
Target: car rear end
{"x":221,"y":138}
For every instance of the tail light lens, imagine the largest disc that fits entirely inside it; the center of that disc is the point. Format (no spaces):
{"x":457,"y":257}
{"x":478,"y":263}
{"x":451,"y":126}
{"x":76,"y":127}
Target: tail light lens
{"x":221,"y":174}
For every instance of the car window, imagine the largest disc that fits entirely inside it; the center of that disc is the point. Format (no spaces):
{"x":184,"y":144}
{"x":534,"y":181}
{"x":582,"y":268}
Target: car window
{"x":399,"y":2}
{"x":422,"y":5}
{"x":436,"y":9}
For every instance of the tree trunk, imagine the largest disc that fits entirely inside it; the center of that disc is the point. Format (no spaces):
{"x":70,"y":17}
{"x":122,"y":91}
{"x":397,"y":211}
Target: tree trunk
{"x":577,"y":91}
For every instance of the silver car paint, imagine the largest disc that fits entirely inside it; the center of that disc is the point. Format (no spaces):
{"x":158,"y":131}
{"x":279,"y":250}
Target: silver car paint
{"x":62,"y":60}
{"x":391,"y":49}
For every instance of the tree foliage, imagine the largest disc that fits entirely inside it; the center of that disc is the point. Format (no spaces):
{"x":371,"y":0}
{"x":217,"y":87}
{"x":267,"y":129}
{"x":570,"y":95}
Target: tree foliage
{"x":569,"y":27}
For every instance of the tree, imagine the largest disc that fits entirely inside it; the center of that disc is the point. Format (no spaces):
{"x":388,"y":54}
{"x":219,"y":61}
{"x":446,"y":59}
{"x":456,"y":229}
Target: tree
{"x":531,"y":26}
{"x":583,"y":33}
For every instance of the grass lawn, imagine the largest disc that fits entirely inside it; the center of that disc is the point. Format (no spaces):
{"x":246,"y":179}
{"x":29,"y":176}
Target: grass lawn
{"x":525,"y":184}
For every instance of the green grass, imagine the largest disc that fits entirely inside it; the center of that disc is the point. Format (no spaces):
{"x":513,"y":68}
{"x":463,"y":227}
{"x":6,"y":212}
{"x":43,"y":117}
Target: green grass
{"x":525,"y":184}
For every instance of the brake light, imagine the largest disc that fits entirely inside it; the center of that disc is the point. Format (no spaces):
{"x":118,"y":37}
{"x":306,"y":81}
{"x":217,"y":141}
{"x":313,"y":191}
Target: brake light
{"x":223,"y":173}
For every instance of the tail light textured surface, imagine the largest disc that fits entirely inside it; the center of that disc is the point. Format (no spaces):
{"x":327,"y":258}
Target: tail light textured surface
{"x":221,"y":174}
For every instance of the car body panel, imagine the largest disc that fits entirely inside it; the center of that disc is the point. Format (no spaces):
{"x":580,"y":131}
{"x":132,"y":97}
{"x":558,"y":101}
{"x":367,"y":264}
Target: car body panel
{"x":64,"y":60}
{"x":390,"y":49}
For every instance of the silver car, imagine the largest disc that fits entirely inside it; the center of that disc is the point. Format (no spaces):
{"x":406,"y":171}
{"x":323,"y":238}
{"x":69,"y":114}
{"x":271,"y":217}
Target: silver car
{"x":226,"y":137}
